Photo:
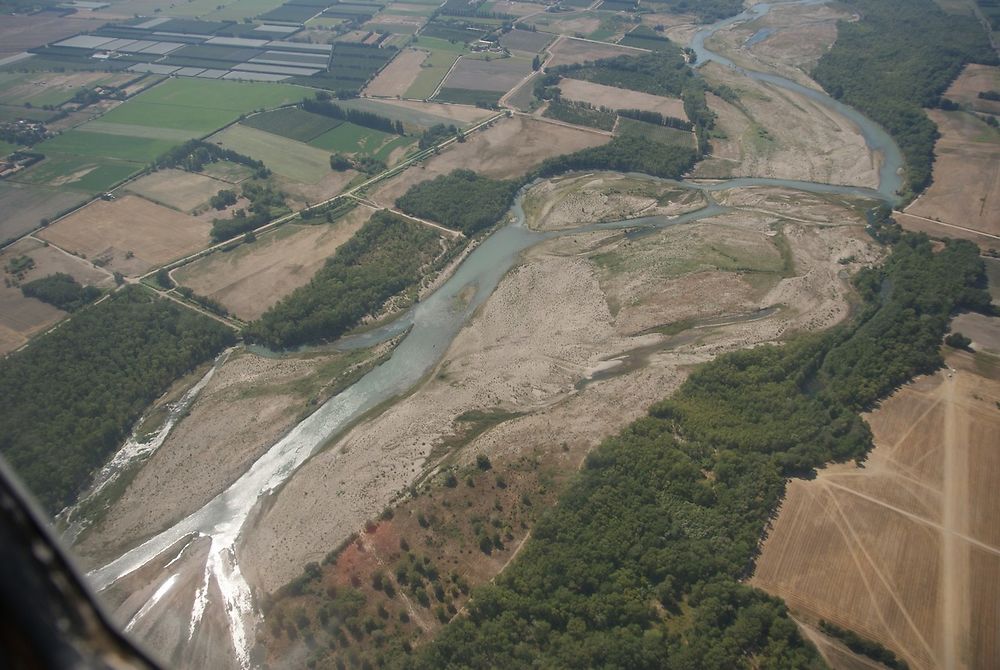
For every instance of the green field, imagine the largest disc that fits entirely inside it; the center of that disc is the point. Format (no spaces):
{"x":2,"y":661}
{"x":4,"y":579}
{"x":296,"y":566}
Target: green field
{"x":80,"y":173}
{"x":121,"y":147}
{"x":443,"y":55}
{"x":235,"y":96}
{"x":6,"y":147}
{"x":468,"y":96}
{"x":351,"y":139}
{"x":293,"y":123}
{"x":288,"y":158}
{"x":661,"y":134}
{"x":149,"y":132}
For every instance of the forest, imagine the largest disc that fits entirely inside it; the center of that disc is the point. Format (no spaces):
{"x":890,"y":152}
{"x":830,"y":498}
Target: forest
{"x":462,"y":200}
{"x":658,"y":73}
{"x":383,"y":258}
{"x":68,"y":400}
{"x":624,"y":153}
{"x":62,"y":291}
{"x":926,"y":48}
{"x":639,"y":565}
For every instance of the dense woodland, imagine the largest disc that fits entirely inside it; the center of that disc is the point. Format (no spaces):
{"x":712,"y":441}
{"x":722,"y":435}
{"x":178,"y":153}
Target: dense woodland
{"x":462,"y":200}
{"x":194,"y":155}
{"x":625,"y":153}
{"x":382,"y":259}
{"x":324,"y":107}
{"x":69,"y":399}
{"x":898,"y":59}
{"x":658,"y":73}
{"x":62,"y":291}
{"x":638,"y":566}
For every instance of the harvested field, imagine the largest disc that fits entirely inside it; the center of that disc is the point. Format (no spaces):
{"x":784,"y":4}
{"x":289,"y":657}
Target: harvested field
{"x":183,"y":191}
{"x":398,"y":75}
{"x":487,"y":75}
{"x":984,"y":331}
{"x":252,"y":277}
{"x":551,"y":324}
{"x":19,"y":33}
{"x":22,"y":317}
{"x":288,"y":158}
{"x":777,"y":133}
{"x":579,"y":24}
{"x":51,"y":88}
{"x":909,"y":540}
{"x":23,"y":206}
{"x":612,"y":97}
{"x":973,"y":80}
{"x":495,"y":153}
{"x":525,"y":40}
{"x":569,"y":50}
{"x":966,"y":186}
{"x":301,"y":194}
{"x":129,"y":235}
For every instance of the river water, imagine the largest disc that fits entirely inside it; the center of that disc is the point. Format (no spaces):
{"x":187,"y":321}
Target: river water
{"x":433,"y":324}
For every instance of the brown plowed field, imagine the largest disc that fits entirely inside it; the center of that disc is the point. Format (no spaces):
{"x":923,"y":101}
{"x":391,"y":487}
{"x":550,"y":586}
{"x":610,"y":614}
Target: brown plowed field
{"x":612,"y":97}
{"x":398,"y":75}
{"x":966,"y":186}
{"x":509,"y":149}
{"x":973,"y":80}
{"x":905,"y":549}
{"x":129,"y":234}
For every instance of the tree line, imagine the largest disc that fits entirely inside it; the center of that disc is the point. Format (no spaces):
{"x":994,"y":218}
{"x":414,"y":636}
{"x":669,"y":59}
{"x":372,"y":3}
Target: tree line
{"x":355,"y":116}
{"x":69,"y":399}
{"x":896,"y":60}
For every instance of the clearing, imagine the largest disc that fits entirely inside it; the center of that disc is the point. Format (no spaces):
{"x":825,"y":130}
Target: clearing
{"x":251,"y":278}
{"x":129,"y":235}
{"x":612,"y":97}
{"x":905,"y":549}
{"x":508,"y":149}
{"x":398,"y":75}
{"x":966,"y":186}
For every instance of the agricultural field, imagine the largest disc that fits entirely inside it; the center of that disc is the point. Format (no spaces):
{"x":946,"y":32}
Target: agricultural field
{"x":128,"y":235}
{"x":22,"y":317}
{"x":292,"y":122}
{"x":348,"y":138}
{"x":19,"y":33}
{"x":441,"y":56}
{"x":525,"y":40}
{"x":248,"y":280}
{"x":578,"y":24}
{"x":83,"y":143}
{"x":82,"y":173}
{"x":966,"y":186}
{"x":508,"y":149}
{"x":25,"y":205}
{"x":420,"y":114}
{"x":398,"y":76}
{"x":288,"y":158}
{"x":567,"y":51}
{"x":975,"y":79}
{"x":177,"y":189}
{"x":909,"y":539}
{"x":498,"y":75}
{"x":612,"y":97}
{"x":52,"y":88}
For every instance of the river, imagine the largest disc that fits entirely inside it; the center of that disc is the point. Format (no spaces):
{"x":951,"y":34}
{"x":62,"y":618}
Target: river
{"x":433,"y":324}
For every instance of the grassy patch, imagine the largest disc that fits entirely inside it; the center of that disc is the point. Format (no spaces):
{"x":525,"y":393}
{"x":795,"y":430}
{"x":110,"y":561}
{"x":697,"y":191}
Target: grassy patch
{"x":82,"y":173}
{"x":349,"y":138}
{"x":295,"y":160}
{"x":293,"y":123}
{"x":80,"y":143}
{"x":662,"y":134}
